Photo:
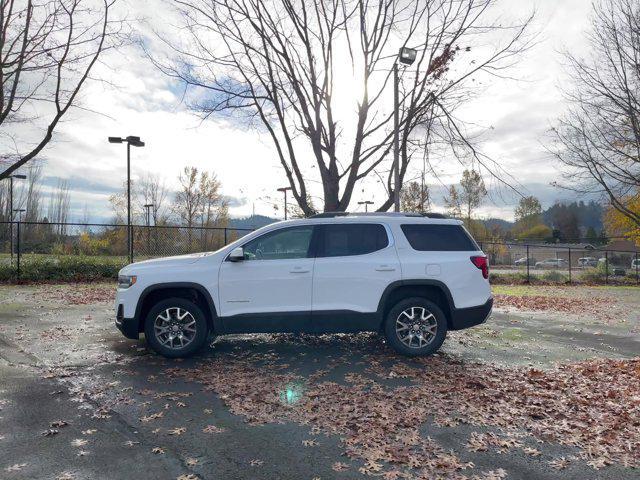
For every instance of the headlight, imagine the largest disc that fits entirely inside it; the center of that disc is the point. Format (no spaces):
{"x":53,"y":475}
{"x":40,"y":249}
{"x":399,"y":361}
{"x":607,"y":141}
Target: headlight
{"x":125,"y":281}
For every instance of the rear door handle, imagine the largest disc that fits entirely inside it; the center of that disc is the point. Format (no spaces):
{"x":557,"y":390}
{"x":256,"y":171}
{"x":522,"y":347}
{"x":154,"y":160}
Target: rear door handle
{"x":385,"y":268}
{"x":299,"y":270}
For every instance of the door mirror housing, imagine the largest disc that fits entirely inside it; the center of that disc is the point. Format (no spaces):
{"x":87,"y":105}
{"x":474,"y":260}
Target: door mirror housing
{"x":236,"y":255}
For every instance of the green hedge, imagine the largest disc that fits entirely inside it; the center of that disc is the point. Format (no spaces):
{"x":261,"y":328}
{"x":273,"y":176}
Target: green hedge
{"x":65,"y":268}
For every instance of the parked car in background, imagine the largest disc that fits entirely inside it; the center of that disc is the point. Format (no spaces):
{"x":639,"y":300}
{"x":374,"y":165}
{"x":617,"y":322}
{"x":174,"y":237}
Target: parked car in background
{"x":587,"y":262}
{"x":635,"y":263}
{"x":617,"y":270}
{"x":522,"y":262}
{"x":552,"y":263}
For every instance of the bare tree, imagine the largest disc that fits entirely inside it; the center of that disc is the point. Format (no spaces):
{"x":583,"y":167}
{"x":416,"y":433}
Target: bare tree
{"x":33,"y":193}
{"x":414,"y":197}
{"x":118,"y":203}
{"x":48,"y":49}
{"x":59,"y":205}
{"x":188,"y":201}
{"x":200,"y":202}
{"x":472,"y":192}
{"x":598,"y":140}
{"x":154,"y":192}
{"x":289,"y":66}
{"x":452,"y":202}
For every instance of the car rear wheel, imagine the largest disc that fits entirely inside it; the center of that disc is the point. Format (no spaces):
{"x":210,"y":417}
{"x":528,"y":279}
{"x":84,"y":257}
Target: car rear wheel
{"x":415,"y":327}
{"x":176,"y":327}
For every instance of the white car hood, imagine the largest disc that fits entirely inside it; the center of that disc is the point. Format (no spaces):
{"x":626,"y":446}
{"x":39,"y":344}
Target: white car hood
{"x":176,"y":261}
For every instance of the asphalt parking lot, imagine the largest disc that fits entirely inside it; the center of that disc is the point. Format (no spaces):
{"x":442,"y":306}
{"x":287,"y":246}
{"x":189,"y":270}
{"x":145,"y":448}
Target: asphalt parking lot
{"x":79,"y":401}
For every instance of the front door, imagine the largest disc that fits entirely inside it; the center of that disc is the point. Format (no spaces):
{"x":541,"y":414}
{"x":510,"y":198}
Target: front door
{"x":275,"y":277}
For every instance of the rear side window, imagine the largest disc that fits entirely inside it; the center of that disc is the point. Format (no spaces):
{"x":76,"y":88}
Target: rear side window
{"x":343,"y":240}
{"x":439,"y":238}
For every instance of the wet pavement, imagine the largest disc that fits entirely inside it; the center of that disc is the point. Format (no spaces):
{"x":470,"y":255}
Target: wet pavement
{"x":79,"y":401}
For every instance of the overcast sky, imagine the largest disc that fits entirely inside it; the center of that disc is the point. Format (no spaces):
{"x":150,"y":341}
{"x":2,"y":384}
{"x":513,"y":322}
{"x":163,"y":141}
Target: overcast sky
{"x":142,"y":102}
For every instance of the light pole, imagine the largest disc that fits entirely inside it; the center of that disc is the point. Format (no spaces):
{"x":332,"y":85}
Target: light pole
{"x":366,"y":204}
{"x":135,"y":142}
{"x":285,"y":190}
{"x":406,"y":56}
{"x":19,"y":211}
{"x":148,"y":208}
{"x":11,"y":216}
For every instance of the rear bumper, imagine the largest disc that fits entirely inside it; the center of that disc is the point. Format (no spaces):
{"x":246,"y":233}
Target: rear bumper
{"x":469,"y":317}
{"x":128,"y":326}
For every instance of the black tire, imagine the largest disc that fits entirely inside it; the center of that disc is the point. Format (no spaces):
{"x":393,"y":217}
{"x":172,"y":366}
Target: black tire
{"x":434,"y":340}
{"x":201,"y":327}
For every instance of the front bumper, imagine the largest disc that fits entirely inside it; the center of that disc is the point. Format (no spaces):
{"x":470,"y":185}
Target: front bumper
{"x":470,"y":317}
{"x":128,"y":326}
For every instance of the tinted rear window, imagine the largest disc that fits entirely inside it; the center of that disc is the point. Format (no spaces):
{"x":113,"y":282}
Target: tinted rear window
{"x":342,"y":240}
{"x":439,"y":238}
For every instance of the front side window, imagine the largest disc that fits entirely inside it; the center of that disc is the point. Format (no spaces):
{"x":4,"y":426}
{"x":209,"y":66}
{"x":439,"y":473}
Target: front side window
{"x":439,"y":238}
{"x":343,"y":240}
{"x":281,"y":244}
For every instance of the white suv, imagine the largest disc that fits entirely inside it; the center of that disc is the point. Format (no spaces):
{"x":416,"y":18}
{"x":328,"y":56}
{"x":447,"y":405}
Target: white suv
{"x":410,"y":276}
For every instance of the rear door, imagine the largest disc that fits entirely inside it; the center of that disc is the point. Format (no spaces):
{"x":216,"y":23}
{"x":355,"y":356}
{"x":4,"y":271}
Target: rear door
{"x":354,"y":264}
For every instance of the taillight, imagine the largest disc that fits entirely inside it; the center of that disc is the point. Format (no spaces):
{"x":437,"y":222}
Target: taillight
{"x":482,"y":264}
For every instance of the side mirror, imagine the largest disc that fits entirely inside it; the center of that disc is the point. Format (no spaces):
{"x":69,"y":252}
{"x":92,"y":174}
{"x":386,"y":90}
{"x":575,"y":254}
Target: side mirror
{"x":236,"y":255}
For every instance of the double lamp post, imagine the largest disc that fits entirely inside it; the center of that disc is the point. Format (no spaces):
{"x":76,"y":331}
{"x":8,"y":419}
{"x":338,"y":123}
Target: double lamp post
{"x":131,"y":142}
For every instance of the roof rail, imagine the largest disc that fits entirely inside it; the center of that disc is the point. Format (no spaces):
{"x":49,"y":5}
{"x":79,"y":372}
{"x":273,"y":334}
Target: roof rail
{"x":329,"y":215}
{"x":378,"y":214}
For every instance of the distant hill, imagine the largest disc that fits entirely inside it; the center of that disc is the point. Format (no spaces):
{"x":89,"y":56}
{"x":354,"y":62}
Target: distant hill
{"x":498,"y":222}
{"x":252,"y":222}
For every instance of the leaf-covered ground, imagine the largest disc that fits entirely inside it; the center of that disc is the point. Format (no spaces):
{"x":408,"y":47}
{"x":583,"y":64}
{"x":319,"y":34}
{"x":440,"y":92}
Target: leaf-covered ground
{"x":533,"y":393}
{"x":594,"y":406}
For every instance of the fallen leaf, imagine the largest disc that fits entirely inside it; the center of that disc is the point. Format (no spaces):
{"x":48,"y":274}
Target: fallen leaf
{"x":16,"y":467}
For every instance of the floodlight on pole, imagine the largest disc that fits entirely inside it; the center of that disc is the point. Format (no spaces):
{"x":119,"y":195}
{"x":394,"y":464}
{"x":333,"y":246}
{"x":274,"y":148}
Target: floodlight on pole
{"x":19,"y":211}
{"x":366,"y":204}
{"x":285,"y":190}
{"x":131,"y":141}
{"x":148,"y":208}
{"x":406,"y":56}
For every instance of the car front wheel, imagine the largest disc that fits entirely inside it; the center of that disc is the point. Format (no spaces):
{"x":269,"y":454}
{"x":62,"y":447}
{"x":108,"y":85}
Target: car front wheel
{"x":176,"y":327}
{"x":415,"y":327}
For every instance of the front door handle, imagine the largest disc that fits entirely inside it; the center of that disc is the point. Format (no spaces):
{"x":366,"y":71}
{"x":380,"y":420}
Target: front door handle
{"x":385,"y":268}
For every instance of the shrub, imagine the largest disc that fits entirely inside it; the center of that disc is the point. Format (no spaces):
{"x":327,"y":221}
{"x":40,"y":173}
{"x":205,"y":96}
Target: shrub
{"x":510,"y":278}
{"x":594,"y":275}
{"x":553,"y":276}
{"x":88,"y":245}
{"x":65,"y":268}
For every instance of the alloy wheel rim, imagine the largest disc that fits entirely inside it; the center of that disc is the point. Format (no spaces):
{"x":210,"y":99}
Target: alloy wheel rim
{"x":416,"y":327}
{"x":175,"y":328}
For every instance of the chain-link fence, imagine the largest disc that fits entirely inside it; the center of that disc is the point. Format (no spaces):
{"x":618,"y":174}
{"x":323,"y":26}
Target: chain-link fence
{"x":548,"y":263}
{"x":42,"y":250}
